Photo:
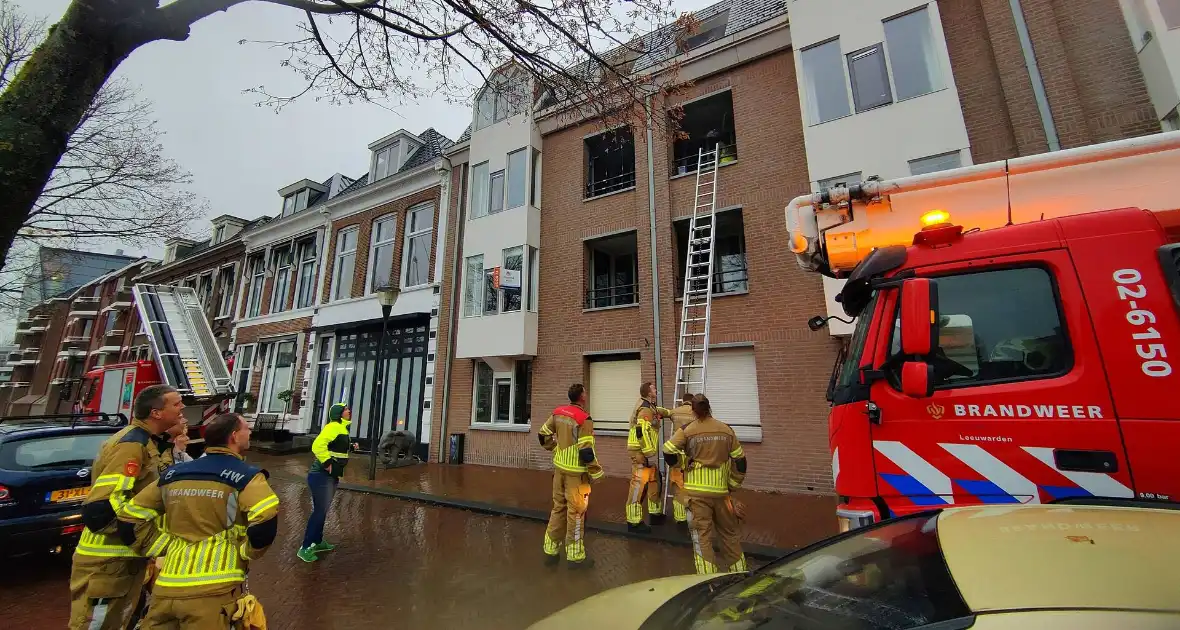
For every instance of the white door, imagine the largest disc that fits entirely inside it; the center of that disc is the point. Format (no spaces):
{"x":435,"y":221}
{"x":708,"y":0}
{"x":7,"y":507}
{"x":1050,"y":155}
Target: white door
{"x":613,"y":391}
{"x":732,"y":389}
{"x":112,"y":391}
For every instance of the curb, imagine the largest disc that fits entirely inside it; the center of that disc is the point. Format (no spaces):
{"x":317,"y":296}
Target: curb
{"x":663,"y":534}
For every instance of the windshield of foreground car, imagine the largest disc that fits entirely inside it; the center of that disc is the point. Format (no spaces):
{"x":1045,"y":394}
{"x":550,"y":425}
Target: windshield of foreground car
{"x":892,"y":576}
{"x":59,"y":451}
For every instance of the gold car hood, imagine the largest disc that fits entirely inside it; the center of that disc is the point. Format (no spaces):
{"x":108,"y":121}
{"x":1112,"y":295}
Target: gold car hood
{"x":622,"y":608}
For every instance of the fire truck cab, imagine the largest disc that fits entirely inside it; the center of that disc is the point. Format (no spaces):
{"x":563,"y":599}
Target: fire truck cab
{"x":1029,"y":357}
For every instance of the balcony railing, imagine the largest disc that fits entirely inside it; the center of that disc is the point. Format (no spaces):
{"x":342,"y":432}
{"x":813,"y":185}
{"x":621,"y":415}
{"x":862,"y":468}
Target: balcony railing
{"x":615,"y":295}
{"x":606,"y":185}
{"x":688,"y":163}
{"x":74,"y":341}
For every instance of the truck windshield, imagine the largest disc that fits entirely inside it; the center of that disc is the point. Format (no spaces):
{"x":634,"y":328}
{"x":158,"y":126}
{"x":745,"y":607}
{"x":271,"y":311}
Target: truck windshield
{"x":892,"y":576}
{"x":847,"y":378}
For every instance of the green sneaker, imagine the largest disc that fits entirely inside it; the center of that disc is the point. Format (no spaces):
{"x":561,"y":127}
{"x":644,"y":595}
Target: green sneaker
{"x":323,"y":546}
{"x":307,"y":554}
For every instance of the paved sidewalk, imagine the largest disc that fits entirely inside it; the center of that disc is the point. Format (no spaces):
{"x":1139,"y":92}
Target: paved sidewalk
{"x":775,"y":523}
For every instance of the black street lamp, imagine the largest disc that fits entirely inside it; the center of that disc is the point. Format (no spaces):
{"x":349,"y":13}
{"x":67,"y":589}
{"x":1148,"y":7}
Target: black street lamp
{"x":386,"y":295}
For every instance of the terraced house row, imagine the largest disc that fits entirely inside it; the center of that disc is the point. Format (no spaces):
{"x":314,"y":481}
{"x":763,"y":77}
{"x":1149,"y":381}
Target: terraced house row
{"x":537,"y":250}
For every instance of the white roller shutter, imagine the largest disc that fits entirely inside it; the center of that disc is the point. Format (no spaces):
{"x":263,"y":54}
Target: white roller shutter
{"x":732,"y":388}
{"x":613,"y":392}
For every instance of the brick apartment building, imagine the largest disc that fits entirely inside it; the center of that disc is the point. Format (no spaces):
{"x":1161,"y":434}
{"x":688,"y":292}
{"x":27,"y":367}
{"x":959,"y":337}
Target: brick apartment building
{"x":843,"y":91}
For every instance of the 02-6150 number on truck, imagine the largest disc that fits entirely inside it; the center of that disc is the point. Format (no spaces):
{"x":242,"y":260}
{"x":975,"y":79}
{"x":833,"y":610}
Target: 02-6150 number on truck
{"x":1153,"y":354}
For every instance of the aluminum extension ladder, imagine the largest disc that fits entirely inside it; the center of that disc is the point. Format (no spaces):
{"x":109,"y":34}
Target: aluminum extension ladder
{"x":692,"y":351}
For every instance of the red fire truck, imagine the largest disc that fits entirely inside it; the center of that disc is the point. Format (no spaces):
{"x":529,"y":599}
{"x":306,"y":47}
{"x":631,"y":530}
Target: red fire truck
{"x":1017,"y":337}
{"x":186,"y":357}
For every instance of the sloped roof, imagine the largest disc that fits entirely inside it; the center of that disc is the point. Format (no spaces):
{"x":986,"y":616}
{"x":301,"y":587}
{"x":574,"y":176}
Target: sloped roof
{"x":742,"y":15}
{"x":465,"y":136}
{"x":433,"y":145}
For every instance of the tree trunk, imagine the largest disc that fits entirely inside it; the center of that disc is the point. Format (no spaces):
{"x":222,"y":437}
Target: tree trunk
{"x":47,"y":99}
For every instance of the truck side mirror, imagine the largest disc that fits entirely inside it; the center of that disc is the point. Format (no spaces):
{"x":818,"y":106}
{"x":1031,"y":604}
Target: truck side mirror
{"x":919,"y":317}
{"x":917,"y":379}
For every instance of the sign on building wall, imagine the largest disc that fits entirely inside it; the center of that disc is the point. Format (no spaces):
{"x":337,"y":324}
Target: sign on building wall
{"x":505,"y":278}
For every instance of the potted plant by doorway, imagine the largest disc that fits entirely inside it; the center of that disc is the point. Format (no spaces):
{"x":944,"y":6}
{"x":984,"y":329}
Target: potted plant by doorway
{"x":245,"y":401}
{"x":281,"y":433}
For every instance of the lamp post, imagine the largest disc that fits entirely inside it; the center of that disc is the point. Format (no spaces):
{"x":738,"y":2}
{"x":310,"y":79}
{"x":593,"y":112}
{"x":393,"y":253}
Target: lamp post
{"x":386,"y":295}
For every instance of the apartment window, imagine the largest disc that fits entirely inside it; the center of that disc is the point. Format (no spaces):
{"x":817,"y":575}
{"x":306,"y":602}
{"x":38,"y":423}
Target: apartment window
{"x":706,"y":123}
{"x":912,"y":54}
{"x":205,"y":289}
{"x":242,"y":364}
{"x":614,"y":271}
{"x":840,"y":180}
{"x":510,"y":274}
{"x":278,"y":375}
{"x":345,"y":266}
{"x":225,"y":280}
{"x":281,"y":260}
{"x":473,"y":286}
{"x":825,"y":91}
{"x":296,"y":202}
{"x":536,"y":175}
{"x":870,"y":79}
{"x":935,"y":163}
{"x":533,"y":278}
{"x":491,"y":294}
{"x":496,"y":193}
{"x":288,"y":205}
{"x":517,"y":184}
{"x":1171,"y":12}
{"x":109,"y":324}
{"x":381,"y":253}
{"x":710,"y":29}
{"x":503,"y":398}
{"x":218,"y":234}
{"x":385,"y":161}
{"x":419,"y":231}
{"x":257,"y":275}
{"x":506,"y":95}
{"x":305,"y":257}
{"x":730,"y":274}
{"x":479,"y":190}
{"x":610,"y":162}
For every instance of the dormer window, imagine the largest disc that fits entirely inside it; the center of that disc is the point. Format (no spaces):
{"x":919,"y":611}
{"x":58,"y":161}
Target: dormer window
{"x":295,"y":202}
{"x":218,"y":234}
{"x":385,"y":161}
{"x":169,"y":254}
{"x":710,"y":29}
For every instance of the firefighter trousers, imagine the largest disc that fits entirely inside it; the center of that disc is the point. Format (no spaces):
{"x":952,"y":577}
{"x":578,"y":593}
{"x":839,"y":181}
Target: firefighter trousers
{"x":567,"y":521}
{"x":104,"y":591}
{"x":679,"y":500}
{"x":712,"y":520}
{"x":645,"y":485}
{"x":207,"y":612}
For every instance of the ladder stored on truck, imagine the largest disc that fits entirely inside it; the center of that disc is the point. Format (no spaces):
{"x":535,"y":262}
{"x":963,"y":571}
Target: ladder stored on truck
{"x":692,"y":349}
{"x":182,"y":340}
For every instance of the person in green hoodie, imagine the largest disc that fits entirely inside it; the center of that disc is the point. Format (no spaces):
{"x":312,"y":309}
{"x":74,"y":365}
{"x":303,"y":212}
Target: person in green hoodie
{"x":331,"y":456}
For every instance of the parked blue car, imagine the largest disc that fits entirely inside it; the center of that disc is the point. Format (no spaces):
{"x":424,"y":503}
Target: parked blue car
{"x":44,"y":476}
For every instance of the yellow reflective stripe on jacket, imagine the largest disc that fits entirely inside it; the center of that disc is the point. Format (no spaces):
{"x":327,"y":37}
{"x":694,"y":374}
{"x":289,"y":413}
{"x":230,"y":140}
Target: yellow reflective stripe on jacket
{"x":160,"y":545}
{"x":138,"y":511}
{"x":92,"y":544}
{"x":214,"y":560}
{"x":706,"y":479}
{"x":262,"y":506}
{"x":567,"y":459}
{"x":737,"y":452}
{"x":671,"y":448}
{"x":586,"y":441}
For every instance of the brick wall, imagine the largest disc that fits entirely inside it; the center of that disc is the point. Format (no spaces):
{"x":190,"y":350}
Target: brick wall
{"x":1095,"y":89}
{"x":365,"y":220}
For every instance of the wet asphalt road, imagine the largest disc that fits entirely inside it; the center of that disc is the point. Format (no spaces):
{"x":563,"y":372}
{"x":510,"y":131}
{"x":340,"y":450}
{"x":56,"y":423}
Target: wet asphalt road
{"x":399,"y":565}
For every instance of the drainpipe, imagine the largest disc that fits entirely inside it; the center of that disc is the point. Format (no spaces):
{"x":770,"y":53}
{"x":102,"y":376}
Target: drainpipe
{"x":452,"y":314}
{"x":1034,"y":75}
{"x":655,"y":269}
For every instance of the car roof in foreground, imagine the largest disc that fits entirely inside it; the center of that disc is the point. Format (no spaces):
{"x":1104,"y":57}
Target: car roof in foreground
{"x":24,"y":428}
{"x":1063,"y":556}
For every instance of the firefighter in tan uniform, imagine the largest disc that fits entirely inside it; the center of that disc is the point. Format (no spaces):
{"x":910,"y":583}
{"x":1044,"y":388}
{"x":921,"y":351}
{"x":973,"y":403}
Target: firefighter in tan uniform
{"x":569,"y":433}
{"x":713,"y":463}
{"x":681,"y":416}
{"x":110,"y":562}
{"x":220,"y":513}
{"x":643,"y":443}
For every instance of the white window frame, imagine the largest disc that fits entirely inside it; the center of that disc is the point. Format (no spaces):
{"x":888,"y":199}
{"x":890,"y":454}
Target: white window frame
{"x":278,"y":303}
{"x":497,"y":379}
{"x":218,"y":234}
{"x":516,"y":177}
{"x":391,"y":152}
{"x":501,"y":296}
{"x":503,"y":190}
{"x":479,"y":190}
{"x":812,"y":77}
{"x":934,"y":71}
{"x":339,"y":257}
{"x":255,"y":272}
{"x":428,"y":230}
{"x":268,"y":368}
{"x":391,"y":241}
{"x":476,"y":308}
{"x":204,"y":299}
{"x":226,"y":309}
{"x":247,"y":367}
{"x":534,"y":274}
{"x":298,"y":266}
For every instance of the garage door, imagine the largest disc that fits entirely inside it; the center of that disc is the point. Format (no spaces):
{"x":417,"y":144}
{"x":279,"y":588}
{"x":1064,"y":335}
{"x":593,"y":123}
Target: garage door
{"x":614,"y":390}
{"x":732,"y":389}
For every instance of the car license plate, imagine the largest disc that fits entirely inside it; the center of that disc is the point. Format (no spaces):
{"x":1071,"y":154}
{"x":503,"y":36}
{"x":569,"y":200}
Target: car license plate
{"x":72,"y":494}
